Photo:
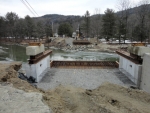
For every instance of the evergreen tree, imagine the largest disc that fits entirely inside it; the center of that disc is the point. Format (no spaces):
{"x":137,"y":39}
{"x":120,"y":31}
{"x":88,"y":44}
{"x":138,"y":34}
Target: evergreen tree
{"x":2,"y":27}
{"x":19,"y":28}
{"x":65,"y":29}
{"x":86,"y":24}
{"x":48,"y":29}
{"x":40,"y":29}
{"x":11,"y":19}
{"x":30,"y":26}
{"x":108,"y":26}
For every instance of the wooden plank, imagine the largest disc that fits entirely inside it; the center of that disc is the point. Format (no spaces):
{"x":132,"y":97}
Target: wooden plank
{"x":129,"y":57}
{"x":81,"y":42}
{"x":78,"y":64}
{"x":35,"y":43}
{"x":138,"y":44}
{"x":40,"y":57}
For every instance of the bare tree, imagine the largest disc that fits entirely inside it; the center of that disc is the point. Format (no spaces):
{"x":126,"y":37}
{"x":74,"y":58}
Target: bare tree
{"x":123,"y":6}
{"x":96,"y":23}
{"x":148,"y":30}
{"x":142,"y":12}
{"x":132,"y":23}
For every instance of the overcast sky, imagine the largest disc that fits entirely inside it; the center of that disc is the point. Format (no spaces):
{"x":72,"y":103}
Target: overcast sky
{"x":64,"y":7}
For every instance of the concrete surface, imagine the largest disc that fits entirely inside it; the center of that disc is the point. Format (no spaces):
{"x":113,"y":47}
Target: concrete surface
{"x":34,"y":50}
{"x":145,"y":79}
{"x":17,"y":101}
{"x":132,"y":71}
{"x":138,"y":50}
{"x":37,"y":70}
{"x":69,"y":41}
{"x":85,"y":78}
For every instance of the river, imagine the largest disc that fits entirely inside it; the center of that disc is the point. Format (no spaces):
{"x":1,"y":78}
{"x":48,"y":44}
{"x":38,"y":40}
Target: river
{"x":18,"y":53}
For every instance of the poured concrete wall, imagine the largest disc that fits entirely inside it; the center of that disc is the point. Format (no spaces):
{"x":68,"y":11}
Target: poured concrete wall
{"x":37,"y":70}
{"x":145,"y":78}
{"x":132,"y":71}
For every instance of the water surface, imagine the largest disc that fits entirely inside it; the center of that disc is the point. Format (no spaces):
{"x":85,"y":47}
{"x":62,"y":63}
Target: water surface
{"x":18,"y":53}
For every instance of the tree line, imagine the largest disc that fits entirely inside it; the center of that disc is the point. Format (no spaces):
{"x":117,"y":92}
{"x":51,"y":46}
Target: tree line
{"x":11,"y":26}
{"x":128,"y":23}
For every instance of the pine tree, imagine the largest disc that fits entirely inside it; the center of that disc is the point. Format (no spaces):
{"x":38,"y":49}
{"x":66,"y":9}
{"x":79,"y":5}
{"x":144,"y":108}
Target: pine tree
{"x":65,"y":29}
{"x":108,"y":28}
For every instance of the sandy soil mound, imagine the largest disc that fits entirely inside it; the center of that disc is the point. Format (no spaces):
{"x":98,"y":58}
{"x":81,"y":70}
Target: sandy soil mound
{"x":58,"y":42}
{"x":8,"y":73}
{"x":108,"y":98}
{"x":8,"y":70}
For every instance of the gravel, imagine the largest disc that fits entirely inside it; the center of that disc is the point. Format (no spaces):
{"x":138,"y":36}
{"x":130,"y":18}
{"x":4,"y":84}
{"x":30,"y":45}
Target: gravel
{"x":84,"y":78}
{"x":69,"y":41}
{"x":13,"y":100}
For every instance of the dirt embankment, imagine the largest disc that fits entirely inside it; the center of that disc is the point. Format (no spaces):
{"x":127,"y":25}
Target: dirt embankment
{"x":108,"y":98}
{"x":57,"y":42}
{"x":8,"y":73}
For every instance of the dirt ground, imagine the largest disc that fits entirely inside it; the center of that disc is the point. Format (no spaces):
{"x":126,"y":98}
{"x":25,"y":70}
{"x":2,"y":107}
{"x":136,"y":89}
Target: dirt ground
{"x":9,"y":74}
{"x":108,"y":98}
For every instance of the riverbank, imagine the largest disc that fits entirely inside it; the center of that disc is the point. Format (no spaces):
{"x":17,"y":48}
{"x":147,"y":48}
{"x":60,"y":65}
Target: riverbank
{"x":67,"y":45}
{"x":18,"y":53}
{"x":107,"y":98}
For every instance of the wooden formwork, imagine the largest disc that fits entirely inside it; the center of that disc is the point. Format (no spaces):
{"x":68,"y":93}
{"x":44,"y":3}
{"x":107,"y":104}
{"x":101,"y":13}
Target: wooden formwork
{"x":37,"y":58}
{"x":84,"y":64}
{"x":134,"y":58}
{"x":35,"y":43}
{"x":81,"y":42}
{"x":138,"y":44}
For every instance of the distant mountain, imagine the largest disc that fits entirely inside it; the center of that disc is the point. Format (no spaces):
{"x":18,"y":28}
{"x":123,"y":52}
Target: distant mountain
{"x":133,"y":10}
{"x":59,"y":18}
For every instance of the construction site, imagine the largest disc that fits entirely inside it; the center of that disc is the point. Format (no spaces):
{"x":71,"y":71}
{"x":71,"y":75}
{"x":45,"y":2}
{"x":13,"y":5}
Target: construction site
{"x":84,"y":56}
{"x":76,"y":86}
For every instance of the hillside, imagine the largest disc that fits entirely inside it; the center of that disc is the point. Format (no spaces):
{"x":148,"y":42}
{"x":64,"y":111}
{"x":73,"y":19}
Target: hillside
{"x":134,"y":10}
{"x":59,"y":18}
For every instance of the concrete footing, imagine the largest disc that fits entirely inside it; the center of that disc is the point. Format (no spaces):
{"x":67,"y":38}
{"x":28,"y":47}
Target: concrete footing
{"x":145,"y":78}
{"x":34,"y":50}
{"x":139,"y":73}
{"x":36,"y":70}
{"x":39,"y":61}
{"x":132,"y":71}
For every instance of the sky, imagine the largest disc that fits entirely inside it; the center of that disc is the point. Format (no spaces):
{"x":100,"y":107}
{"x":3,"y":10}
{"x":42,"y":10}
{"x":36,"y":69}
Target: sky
{"x":64,"y":7}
